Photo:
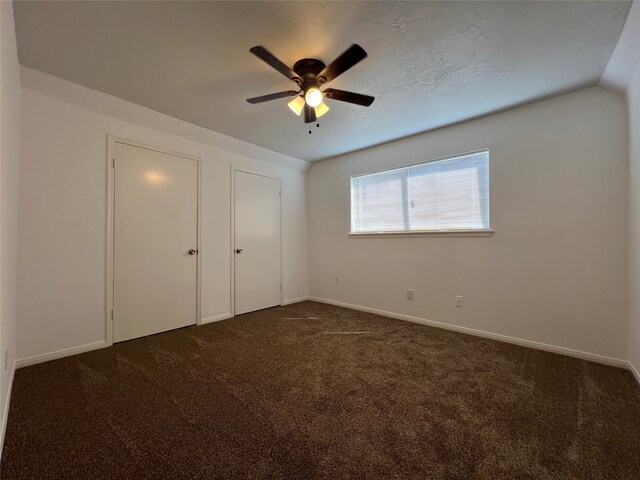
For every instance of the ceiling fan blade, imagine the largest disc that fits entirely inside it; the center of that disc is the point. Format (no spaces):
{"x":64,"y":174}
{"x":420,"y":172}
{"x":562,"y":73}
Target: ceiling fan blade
{"x":343,"y":96}
{"x":272,"y":96}
{"x":344,"y":62}
{"x":267,"y":57}
{"x":309,"y":114}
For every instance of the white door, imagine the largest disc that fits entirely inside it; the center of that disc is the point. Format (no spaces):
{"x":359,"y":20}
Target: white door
{"x":257,"y":242}
{"x":155,"y":242}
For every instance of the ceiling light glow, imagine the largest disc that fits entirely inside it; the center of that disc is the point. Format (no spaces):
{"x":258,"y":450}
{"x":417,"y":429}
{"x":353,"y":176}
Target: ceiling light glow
{"x":313,"y":97}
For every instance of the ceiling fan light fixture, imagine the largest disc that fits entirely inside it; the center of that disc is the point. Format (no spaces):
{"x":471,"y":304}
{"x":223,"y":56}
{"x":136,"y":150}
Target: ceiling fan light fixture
{"x":313,"y":97}
{"x":321,"y":109}
{"x":309,"y":74}
{"x":296,"y":105}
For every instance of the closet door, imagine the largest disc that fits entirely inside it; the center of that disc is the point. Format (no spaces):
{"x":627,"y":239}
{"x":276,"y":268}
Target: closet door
{"x":257,"y":242}
{"x":155,"y":242}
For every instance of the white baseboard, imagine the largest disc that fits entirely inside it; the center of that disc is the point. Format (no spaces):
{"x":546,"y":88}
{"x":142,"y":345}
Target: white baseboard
{"x":7,"y":403}
{"x":481,"y":333}
{"x":215,"y":318}
{"x":635,"y":372}
{"x":295,"y":300}
{"x":45,"y":357}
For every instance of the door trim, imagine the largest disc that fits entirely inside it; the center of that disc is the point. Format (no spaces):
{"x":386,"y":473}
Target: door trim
{"x":111,"y":149}
{"x":233,"y":231}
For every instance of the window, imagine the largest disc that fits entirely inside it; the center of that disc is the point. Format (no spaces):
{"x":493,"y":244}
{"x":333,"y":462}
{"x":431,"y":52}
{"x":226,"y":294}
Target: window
{"x":441,"y":196}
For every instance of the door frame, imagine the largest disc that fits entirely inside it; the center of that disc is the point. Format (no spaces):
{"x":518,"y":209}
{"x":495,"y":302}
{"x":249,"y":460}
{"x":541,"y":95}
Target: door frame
{"x":233,"y":231}
{"x":112,"y":140}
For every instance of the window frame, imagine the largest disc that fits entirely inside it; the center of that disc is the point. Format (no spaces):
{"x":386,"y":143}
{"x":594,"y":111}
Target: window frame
{"x":488,"y":232}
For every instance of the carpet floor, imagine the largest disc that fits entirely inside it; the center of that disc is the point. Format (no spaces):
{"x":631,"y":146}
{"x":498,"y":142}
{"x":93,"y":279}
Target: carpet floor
{"x":312,"y":391}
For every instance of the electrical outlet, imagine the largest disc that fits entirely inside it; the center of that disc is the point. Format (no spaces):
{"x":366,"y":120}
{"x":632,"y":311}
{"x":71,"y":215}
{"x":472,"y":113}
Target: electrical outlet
{"x":409,"y":294}
{"x":458,"y":300}
{"x":337,"y":280}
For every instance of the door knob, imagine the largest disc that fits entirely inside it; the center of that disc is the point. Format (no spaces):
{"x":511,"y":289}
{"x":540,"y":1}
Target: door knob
{"x":238,"y":250}
{"x":192,"y":251}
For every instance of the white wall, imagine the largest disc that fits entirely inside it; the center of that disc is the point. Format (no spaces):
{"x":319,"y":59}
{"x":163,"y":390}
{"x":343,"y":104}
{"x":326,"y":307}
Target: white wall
{"x":633,"y":105}
{"x":622,"y":75}
{"x":62,"y":232}
{"x":9,"y":160}
{"x":555,"y":271}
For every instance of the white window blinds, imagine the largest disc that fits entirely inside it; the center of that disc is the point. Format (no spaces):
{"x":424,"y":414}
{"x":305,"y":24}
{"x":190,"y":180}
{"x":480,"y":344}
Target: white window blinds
{"x":444,"y":195}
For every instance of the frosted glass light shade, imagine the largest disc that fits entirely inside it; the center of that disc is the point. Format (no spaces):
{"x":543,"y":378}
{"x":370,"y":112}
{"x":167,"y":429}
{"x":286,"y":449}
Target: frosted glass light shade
{"x":296,"y":105}
{"x":321,"y":109}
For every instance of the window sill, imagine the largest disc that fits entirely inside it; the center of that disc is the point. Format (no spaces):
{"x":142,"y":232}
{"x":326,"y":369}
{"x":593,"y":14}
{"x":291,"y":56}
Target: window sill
{"x":434,"y":233}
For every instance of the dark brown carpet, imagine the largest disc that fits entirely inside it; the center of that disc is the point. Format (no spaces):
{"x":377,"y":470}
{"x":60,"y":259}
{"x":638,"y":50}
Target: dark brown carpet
{"x":282,"y":393}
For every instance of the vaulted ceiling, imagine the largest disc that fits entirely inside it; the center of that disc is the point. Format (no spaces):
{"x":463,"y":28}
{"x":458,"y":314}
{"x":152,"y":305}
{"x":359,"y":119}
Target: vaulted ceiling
{"x":430,"y":64}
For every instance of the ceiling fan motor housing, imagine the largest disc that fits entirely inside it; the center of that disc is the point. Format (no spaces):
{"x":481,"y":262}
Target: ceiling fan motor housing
{"x":308,"y":69}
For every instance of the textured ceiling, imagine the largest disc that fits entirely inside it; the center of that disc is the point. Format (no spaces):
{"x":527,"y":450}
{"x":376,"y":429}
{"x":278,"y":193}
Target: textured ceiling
{"x":430,"y":63}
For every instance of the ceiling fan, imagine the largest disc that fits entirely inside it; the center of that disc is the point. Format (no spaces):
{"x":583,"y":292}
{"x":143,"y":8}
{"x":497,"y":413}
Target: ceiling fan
{"x":309,"y":74}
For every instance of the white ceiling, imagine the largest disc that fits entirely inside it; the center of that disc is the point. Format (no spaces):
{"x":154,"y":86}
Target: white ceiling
{"x":430,"y":64}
